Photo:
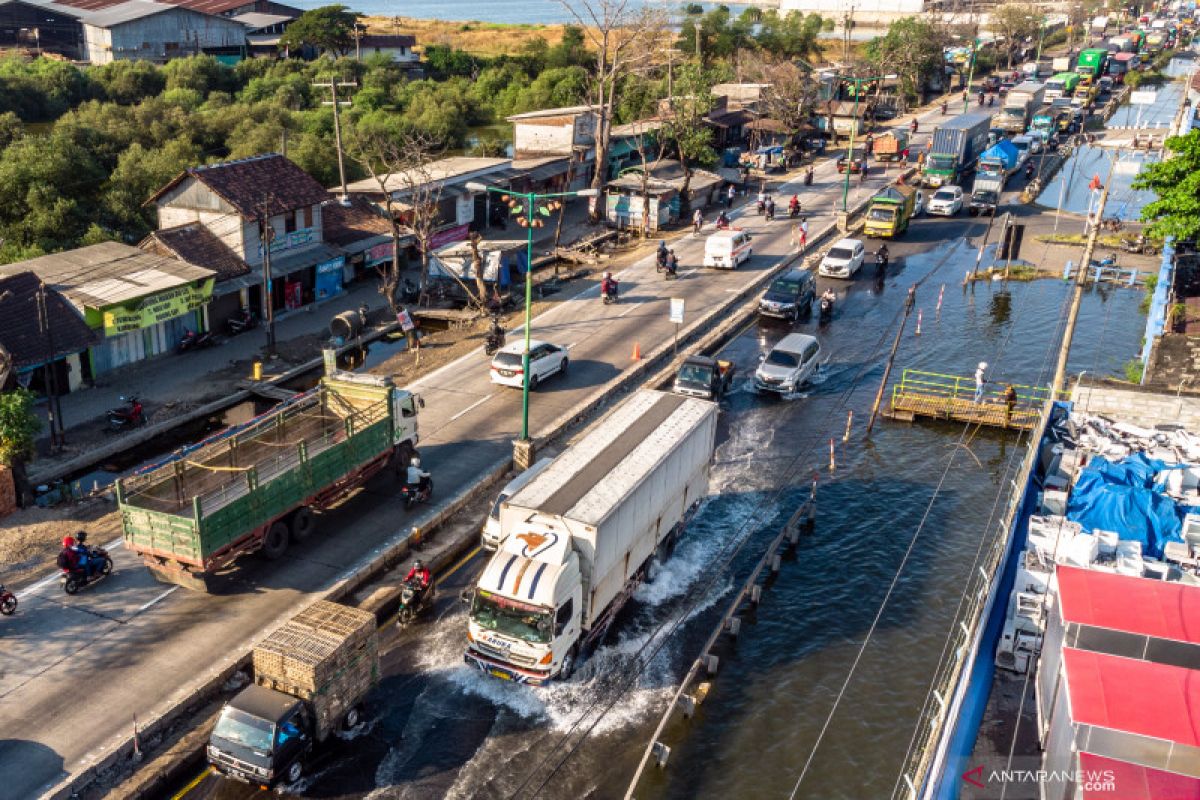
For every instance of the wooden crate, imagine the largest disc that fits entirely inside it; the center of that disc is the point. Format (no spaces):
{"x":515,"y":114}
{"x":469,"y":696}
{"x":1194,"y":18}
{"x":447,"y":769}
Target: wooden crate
{"x":311,"y":648}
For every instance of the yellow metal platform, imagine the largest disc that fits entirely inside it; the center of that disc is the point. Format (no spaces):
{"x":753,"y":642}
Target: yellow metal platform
{"x":929,"y":395}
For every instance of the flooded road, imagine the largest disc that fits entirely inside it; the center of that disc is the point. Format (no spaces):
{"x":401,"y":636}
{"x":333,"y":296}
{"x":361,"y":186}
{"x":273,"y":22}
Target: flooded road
{"x":438,"y":728}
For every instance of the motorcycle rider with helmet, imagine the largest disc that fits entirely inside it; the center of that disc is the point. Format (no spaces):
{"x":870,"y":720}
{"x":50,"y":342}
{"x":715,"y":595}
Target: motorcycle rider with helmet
{"x":609,"y":286}
{"x":421,"y":578}
{"x":418,"y":479}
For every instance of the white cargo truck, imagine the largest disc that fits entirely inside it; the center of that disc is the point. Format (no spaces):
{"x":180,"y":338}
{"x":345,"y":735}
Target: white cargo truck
{"x":578,"y":538}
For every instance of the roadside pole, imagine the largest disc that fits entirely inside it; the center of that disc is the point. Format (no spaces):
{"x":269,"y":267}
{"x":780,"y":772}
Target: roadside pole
{"x":676,"y":316}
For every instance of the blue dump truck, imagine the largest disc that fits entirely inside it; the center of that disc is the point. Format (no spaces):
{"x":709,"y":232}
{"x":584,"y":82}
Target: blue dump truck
{"x":956,"y":148}
{"x":995,"y":165}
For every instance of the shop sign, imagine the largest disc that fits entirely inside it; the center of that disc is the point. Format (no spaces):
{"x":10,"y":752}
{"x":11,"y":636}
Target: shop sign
{"x":448,"y":235}
{"x":153,"y":309}
{"x":290,"y":241}
{"x":332,"y":265}
{"x":380,"y":252}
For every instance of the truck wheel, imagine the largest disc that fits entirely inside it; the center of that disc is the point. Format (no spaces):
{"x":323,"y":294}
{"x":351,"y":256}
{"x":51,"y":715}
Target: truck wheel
{"x":294,"y":772}
{"x":568,"y":664}
{"x":275,"y":543}
{"x":351,"y":720}
{"x":303,"y":523}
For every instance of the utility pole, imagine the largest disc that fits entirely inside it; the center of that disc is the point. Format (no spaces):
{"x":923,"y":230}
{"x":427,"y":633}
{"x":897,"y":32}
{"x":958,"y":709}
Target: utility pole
{"x":698,"y":28}
{"x":54,"y":406}
{"x":332,"y":86}
{"x":1060,"y":371}
{"x":847,"y":21}
{"x":266,"y":235}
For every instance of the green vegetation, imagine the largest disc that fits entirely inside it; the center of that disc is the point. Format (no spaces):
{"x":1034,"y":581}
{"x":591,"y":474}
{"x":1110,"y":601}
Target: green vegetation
{"x":1151,"y":283}
{"x":723,"y":36}
{"x":1133,"y":369}
{"x":1176,"y":182}
{"x":19,"y":424}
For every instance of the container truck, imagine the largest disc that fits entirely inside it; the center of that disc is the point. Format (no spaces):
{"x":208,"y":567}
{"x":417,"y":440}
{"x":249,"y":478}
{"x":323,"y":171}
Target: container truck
{"x":1155,"y":41}
{"x":1122,"y":44}
{"x":256,"y":486}
{"x":579,"y":537}
{"x":890,"y":212}
{"x":1061,"y":85}
{"x":309,"y":677}
{"x":1019,"y":105}
{"x":1042,"y":124}
{"x":1061,"y":64}
{"x":891,"y":145}
{"x":956,"y":147}
{"x":995,"y":165}
{"x":1090,"y":65}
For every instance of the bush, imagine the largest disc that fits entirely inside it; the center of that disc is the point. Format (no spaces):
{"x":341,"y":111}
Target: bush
{"x":19,"y":424}
{"x":1133,"y":370}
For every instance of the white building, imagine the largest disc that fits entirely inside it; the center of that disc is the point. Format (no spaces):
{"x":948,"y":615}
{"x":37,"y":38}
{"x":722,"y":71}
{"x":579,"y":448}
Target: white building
{"x":863,"y":12}
{"x":398,"y":48}
{"x":153,"y":31}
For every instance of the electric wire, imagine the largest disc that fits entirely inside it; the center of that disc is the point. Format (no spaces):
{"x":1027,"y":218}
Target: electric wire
{"x":722,"y":561}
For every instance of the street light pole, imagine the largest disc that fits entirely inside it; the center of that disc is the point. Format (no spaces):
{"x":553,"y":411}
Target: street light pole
{"x":970,"y":76}
{"x":858,"y":82}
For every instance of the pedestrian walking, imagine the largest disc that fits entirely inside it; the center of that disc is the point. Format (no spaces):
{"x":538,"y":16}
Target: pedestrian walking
{"x":697,"y":220}
{"x":729,"y":195}
{"x":980,"y":380}
{"x":803,"y":235}
{"x":1010,"y":401}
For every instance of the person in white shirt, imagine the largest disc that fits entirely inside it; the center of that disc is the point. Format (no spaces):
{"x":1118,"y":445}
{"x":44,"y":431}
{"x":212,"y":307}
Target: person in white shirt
{"x":980,"y":380}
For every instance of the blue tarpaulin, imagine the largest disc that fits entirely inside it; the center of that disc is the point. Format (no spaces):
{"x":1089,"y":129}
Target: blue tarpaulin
{"x":1120,"y":497}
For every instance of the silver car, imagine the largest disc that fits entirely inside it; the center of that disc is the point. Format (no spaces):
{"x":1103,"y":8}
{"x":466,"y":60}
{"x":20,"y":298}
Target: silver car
{"x":789,"y":365}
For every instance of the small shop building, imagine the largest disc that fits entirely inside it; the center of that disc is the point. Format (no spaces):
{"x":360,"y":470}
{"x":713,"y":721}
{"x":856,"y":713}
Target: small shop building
{"x":40,"y":331}
{"x":627,"y":200}
{"x":137,"y":303}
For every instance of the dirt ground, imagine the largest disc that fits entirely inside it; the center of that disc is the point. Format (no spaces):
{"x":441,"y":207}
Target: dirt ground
{"x":31,"y":538}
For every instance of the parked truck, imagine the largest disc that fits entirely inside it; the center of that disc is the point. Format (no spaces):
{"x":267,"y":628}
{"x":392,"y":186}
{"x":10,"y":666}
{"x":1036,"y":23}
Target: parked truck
{"x":1090,"y":65}
{"x":256,"y":486}
{"x":309,"y":678}
{"x":995,"y":165}
{"x":1019,"y":105}
{"x":579,"y":537}
{"x":891,"y":145}
{"x":890,"y":212}
{"x":956,"y":147}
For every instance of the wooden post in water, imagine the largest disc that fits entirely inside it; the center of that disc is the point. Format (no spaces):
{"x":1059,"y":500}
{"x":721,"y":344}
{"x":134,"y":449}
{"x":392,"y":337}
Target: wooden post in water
{"x":887,"y":370}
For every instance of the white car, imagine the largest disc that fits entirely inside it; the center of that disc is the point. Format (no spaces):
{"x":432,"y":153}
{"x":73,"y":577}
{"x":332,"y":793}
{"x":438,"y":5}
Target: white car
{"x":789,"y":365}
{"x":545,"y":359}
{"x":843,"y":259}
{"x":946,"y":201}
{"x":727,"y":249}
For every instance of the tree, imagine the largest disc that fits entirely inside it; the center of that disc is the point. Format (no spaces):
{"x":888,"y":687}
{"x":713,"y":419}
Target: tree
{"x":1016,"y":22}
{"x":912,"y":48}
{"x":621,"y":32}
{"x":1176,"y":182}
{"x":400,"y":164}
{"x":685,"y":126}
{"x":791,"y":93}
{"x":330,"y":29}
{"x":19,"y":424}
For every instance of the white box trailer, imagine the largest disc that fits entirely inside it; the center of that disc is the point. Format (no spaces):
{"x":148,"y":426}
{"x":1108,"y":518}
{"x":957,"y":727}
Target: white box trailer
{"x":578,"y":537}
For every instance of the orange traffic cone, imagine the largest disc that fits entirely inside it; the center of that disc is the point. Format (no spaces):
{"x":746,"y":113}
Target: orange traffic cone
{"x":637,"y":352}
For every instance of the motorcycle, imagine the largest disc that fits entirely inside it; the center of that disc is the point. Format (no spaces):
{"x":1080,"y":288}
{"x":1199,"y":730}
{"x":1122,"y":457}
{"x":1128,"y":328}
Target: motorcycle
{"x":762,"y":207}
{"x":609,"y":293}
{"x":8,"y":602}
{"x":723,"y":223}
{"x":881,"y":261}
{"x":671,"y":272}
{"x":129,"y":415}
{"x":1029,"y":171}
{"x":808,"y":177}
{"x":1111,"y":224}
{"x":794,"y":211}
{"x":241,"y":322}
{"x":413,"y":601}
{"x":416,"y":494}
{"x":195,"y":341}
{"x":493,"y":342}
{"x":826,"y":309}
{"x":770,"y":211}
{"x":1140,"y":245}
{"x":660,"y":260}
{"x":72,"y":580}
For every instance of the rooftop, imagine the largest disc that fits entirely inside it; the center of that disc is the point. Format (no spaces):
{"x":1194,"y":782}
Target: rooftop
{"x":1161,"y":609}
{"x":563,"y":111}
{"x":109,"y":273}
{"x":20,"y":325}
{"x":268,"y":182}
{"x":196,"y":244}
{"x":343,"y":225}
{"x":398,"y":42}
{"x":445,"y":169}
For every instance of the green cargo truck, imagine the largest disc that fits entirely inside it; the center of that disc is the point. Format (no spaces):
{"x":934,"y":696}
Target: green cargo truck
{"x":1090,"y":65}
{"x":255,"y":487}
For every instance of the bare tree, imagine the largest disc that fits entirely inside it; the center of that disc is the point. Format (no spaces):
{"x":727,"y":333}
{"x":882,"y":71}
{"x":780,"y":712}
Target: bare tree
{"x":621,"y":32}
{"x":1016,"y":22}
{"x":647,"y":141}
{"x":791,"y":94}
{"x":400,"y":163}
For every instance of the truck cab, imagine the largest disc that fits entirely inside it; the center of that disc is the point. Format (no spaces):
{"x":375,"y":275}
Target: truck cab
{"x":704,"y":377}
{"x":261,"y":737}
{"x":527,"y":609}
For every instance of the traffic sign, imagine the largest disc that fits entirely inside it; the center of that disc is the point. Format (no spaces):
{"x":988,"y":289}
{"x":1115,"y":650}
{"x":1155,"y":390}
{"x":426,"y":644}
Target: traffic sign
{"x":677,"y":310}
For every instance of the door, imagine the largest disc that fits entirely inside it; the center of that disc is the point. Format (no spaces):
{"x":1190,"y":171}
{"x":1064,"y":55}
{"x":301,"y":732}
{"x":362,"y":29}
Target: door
{"x":539,"y":364}
{"x":809,"y":359}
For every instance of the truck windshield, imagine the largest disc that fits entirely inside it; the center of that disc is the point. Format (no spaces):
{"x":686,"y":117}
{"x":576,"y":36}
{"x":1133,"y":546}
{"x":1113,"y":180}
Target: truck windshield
{"x":882,"y":214}
{"x":521,"y":621}
{"x":942,"y":163}
{"x":694,"y":373}
{"x":240,"y":728}
{"x":1015,"y":112}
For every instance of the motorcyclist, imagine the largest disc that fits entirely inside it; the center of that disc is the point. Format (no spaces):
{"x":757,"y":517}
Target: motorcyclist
{"x":881,"y":255}
{"x":672,"y":263}
{"x":417,"y":477}
{"x":991,"y":100}
{"x":828,"y":296}
{"x":421,"y":573}
{"x":1028,"y":170}
{"x":722,"y":220}
{"x":770,"y":208}
{"x":913,"y":126}
{"x":661,"y":255}
{"x":75,"y":556}
{"x":980,"y":97}
{"x":794,"y":206}
{"x":609,"y":285}
{"x":945,"y":108}
{"x":496,"y":333}
{"x":808,"y":176}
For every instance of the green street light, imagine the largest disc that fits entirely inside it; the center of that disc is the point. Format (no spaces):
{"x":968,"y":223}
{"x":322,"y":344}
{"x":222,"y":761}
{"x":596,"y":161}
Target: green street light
{"x":858,"y":82}
{"x":970,"y":75}
{"x":526,"y":212}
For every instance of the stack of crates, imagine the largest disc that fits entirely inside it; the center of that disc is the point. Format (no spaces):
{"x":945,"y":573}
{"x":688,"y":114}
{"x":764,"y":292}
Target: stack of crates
{"x":328,"y":654}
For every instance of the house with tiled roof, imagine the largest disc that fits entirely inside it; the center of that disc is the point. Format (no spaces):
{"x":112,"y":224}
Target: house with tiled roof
{"x":29,"y":346}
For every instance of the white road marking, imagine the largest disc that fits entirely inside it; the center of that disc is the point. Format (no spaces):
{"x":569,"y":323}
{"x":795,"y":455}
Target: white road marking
{"x":626,"y":311}
{"x":473,"y":406}
{"x":146,"y":605}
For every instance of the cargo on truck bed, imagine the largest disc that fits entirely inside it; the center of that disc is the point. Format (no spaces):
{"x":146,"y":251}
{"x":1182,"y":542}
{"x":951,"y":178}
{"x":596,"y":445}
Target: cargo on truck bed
{"x":255,"y":487}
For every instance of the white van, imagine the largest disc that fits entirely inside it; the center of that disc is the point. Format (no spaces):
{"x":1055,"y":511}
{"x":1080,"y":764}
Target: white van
{"x":490,"y":540}
{"x":727,"y":249}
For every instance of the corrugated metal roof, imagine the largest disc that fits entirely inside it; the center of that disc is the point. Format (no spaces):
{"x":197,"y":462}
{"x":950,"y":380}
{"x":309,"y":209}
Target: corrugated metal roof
{"x":1161,"y":609}
{"x":1133,"y":696}
{"x":444,"y":169}
{"x":254,"y":20}
{"x":128,"y":11}
{"x":109,"y":273}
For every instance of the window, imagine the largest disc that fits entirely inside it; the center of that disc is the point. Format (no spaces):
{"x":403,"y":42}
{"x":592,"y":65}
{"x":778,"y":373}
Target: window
{"x":810,"y":351}
{"x":563,"y":617}
{"x":289,"y":222}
